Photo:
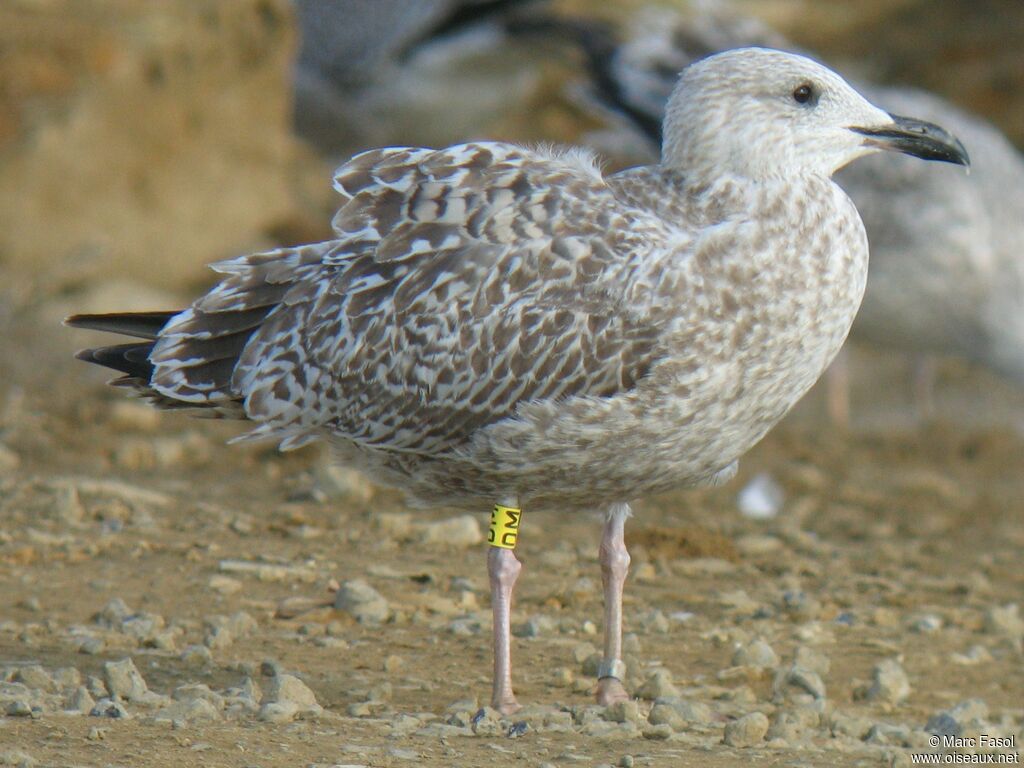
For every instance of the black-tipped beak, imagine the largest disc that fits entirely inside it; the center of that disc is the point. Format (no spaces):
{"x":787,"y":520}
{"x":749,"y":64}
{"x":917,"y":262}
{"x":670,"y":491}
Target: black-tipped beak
{"x":918,"y":138}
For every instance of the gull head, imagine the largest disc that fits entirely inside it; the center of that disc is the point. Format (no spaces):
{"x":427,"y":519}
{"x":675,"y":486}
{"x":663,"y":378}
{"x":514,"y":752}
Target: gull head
{"x":760,"y":113}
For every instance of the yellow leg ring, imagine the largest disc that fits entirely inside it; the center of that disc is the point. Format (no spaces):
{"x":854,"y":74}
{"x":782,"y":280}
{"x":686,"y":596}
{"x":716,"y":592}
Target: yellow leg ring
{"x":504,"y":527}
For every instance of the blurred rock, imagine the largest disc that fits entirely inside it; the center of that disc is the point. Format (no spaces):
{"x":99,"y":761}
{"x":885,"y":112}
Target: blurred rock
{"x":363,"y":602}
{"x":124,"y":680}
{"x":748,"y":731}
{"x":124,"y":126}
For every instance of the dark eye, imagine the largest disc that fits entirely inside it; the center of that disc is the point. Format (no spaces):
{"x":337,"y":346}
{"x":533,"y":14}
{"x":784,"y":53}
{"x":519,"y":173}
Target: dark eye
{"x":803,"y":93}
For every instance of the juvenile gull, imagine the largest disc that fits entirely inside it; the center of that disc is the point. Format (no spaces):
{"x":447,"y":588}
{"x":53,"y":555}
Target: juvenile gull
{"x":946,"y":274}
{"x":500,"y":324}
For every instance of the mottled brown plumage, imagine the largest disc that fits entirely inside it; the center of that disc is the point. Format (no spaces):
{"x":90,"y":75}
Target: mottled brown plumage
{"x":499,"y":323}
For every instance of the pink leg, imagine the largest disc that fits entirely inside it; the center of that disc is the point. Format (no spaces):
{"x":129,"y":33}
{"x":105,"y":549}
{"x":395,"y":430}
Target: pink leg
{"x":837,"y":390}
{"x":614,"y":567}
{"x":503,"y":568}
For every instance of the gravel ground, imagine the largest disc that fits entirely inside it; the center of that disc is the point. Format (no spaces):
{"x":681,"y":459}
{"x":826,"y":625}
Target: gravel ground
{"x":167,"y":599}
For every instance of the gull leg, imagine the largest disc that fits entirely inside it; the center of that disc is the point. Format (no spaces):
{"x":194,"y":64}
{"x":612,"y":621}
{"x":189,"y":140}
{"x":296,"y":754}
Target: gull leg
{"x":503,"y":568}
{"x":614,"y":567}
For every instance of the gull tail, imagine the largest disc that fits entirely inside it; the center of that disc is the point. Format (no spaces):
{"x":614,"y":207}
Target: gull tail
{"x":133,"y":360}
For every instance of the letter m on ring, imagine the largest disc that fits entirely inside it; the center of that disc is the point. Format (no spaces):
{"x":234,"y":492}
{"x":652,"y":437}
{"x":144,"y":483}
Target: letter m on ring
{"x":508,"y":538}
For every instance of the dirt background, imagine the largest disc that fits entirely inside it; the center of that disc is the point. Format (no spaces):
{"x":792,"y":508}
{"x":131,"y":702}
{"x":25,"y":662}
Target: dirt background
{"x":141,"y":141}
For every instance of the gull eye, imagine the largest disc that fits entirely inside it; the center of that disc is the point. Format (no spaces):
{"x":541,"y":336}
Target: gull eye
{"x":803,"y":93}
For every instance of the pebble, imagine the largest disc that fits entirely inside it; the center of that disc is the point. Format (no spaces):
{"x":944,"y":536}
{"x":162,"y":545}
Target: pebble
{"x":364,"y":603}
{"x":653,"y":622}
{"x":109,"y":708}
{"x":224,"y":585}
{"x":280,"y":711}
{"x":811,"y":659}
{"x":761,"y":498}
{"x":486,"y":722}
{"x":924,"y":623}
{"x":658,"y":686}
{"x":623,"y":712}
{"x":798,"y":680}
{"x":1005,"y":621}
{"x":657,"y":732}
{"x":113,"y":614}
{"x":34,"y":676}
{"x":80,"y":700}
{"x":953,"y":721}
{"x":976,"y":654}
{"x":269,"y":572}
{"x":856,"y":727}
{"x":339,"y":482}
{"x":748,"y":731}
{"x":889,"y":684}
{"x":124,"y":680}
{"x":288,"y":688}
{"x":197,"y":656}
{"x":666,"y":714}
{"x":756,"y":654}
{"x":535,"y":626}
{"x":459,"y":532}
{"x":792,"y":724}
{"x":188,"y":711}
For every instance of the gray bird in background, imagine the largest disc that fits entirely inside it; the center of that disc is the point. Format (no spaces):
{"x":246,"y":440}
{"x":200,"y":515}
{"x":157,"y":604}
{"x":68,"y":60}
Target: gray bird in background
{"x":373,"y":72}
{"x":947,"y":271}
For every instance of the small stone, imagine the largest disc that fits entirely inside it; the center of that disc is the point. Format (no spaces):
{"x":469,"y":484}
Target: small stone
{"x":80,"y":701}
{"x":113,"y":614}
{"x":849,"y":725}
{"x":800,"y":606}
{"x":623,"y":712}
{"x":197,"y":656}
{"x":18,"y":708}
{"x":279,"y":711}
{"x":224,"y":585}
{"x":535,"y":626}
{"x":124,"y":680}
{"x":288,"y":688}
{"x":790,"y":725}
{"x":92,"y":646}
{"x":761,"y":498}
{"x":109,"y":708}
{"x":486,"y":722}
{"x":694,"y":711}
{"x":976,"y":654}
{"x":658,"y":686}
{"x":592,"y":664}
{"x":748,"y":731}
{"x":626,"y":761}
{"x":756,"y":654}
{"x":359,"y":709}
{"x":362,"y":601}
{"x":459,"y":532}
{"x":218,"y":638}
{"x":809,"y":658}
{"x":890,"y":683}
{"x":34,"y":676}
{"x":582,"y":652}
{"x":393,"y":664}
{"x":798,"y":679}
{"x":657,"y":732}
{"x":665,"y":714}
{"x":924,"y":623}
{"x":30,"y":604}
{"x":188,"y":711}
{"x":1005,"y":621}
{"x":653,"y":622}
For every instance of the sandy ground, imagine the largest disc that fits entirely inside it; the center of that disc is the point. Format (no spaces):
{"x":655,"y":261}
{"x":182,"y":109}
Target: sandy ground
{"x":897,"y":543}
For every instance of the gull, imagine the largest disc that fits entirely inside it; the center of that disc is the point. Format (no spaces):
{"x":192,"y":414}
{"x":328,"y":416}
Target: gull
{"x":495,"y":324}
{"x":946,"y":276}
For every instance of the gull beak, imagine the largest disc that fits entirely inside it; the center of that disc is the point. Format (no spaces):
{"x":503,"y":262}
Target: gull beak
{"x":918,"y":138}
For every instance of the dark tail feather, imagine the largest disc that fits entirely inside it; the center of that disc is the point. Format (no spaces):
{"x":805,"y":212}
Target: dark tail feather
{"x":131,"y":359}
{"x":141,"y":325}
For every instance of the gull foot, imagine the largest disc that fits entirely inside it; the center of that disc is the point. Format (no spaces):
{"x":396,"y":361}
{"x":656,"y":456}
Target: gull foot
{"x":610,"y":690}
{"x":507,"y":707}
